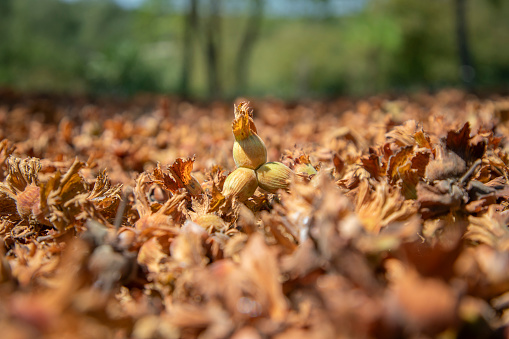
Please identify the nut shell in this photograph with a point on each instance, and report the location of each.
(28, 200)
(240, 184)
(249, 152)
(28, 204)
(273, 176)
(305, 169)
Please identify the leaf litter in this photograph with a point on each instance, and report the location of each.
(113, 222)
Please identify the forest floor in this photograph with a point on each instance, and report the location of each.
(395, 225)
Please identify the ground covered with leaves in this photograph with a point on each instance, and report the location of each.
(113, 223)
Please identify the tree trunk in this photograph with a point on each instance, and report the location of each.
(190, 30)
(467, 70)
(246, 46)
(212, 44)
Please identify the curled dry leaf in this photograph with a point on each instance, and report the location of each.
(6, 149)
(180, 177)
(155, 217)
(409, 133)
(446, 164)
(406, 168)
(379, 207)
(440, 198)
(57, 196)
(21, 191)
(467, 147)
(490, 228)
(99, 203)
(242, 110)
(283, 232)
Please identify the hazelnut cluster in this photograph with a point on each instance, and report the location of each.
(250, 156)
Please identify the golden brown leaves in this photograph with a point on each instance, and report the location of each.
(377, 209)
(426, 304)
(491, 229)
(21, 191)
(396, 226)
(6, 149)
(406, 168)
(248, 290)
(259, 263)
(243, 125)
(57, 194)
(21, 173)
(104, 195)
(179, 177)
(467, 147)
(440, 198)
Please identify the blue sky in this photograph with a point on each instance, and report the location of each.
(129, 3)
(278, 7)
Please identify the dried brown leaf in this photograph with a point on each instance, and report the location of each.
(282, 231)
(57, 197)
(408, 166)
(426, 304)
(243, 125)
(165, 180)
(445, 165)
(180, 177)
(259, 263)
(490, 228)
(403, 135)
(440, 198)
(377, 209)
(21, 173)
(6, 149)
(374, 166)
(467, 147)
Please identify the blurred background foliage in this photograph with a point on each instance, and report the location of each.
(225, 48)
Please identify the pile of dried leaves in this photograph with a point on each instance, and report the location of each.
(113, 224)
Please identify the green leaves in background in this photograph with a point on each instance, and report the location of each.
(98, 47)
